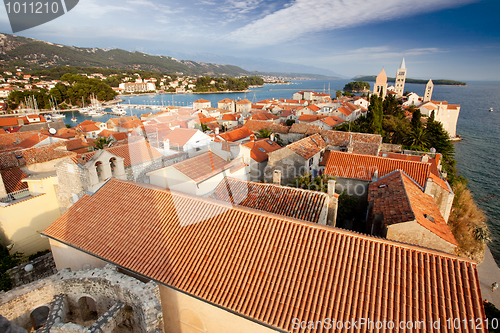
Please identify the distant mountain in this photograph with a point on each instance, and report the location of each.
(437, 82)
(263, 65)
(35, 54)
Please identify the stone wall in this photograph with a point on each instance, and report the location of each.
(72, 183)
(104, 287)
(43, 267)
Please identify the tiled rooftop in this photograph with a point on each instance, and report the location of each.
(349, 165)
(260, 149)
(204, 166)
(400, 199)
(281, 200)
(256, 125)
(34, 155)
(12, 179)
(264, 267)
(308, 146)
(181, 136)
(236, 134)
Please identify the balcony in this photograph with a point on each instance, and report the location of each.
(15, 197)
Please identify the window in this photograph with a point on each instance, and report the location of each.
(98, 169)
(262, 150)
(311, 160)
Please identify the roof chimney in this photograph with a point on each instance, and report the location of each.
(216, 131)
(252, 138)
(375, 176)
(425, 158)
(331, 187)
(277, 177)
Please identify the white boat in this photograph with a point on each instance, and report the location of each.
(491, 109)
(118, 110)
(58, 116)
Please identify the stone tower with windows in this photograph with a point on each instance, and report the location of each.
(428, 91)
(400, 79)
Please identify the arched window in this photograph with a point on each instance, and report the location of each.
(88, 309)
(112, 165)
(39, 316)
(99, 170)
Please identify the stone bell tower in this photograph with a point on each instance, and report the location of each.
(400, 79)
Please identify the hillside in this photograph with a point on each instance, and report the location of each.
(439, 82)
(35, 55)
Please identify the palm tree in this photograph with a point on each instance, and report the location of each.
(264, 133)
(101, 143)
(418, 138)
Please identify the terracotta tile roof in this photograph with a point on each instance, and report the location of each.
(236, 134)
(34, 155)
(260, 149)
(7, 122)
(67, 133)
(363, 143)
(201, 101)
(243, 101)
(304, 128)
(12, 179)
(291, 101)
(131, 124)
(344, 110)
(32, 141)
(307, 147)
(207, 120)
(281, 200)
(403, 200)
(351, 107)
(181, 136)
(225, 101)
(310, 117)
(89, 128)
(263, 116)
(349, 165)
(268, 268)
(135, 152)
(203, 166)
(78, 145)
(9, 140)
(229, 117)
(332, 121)
(314, 108)
(256, 125)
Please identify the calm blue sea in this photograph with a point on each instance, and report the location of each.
(477, 156)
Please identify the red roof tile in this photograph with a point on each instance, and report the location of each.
(307, 147)
(236, 134)
(332, 121)
(310, 117)
(229, 117)
(203, 166)
(12, 179)
(281, 200)
(349, 165)
(256, 125)
(181, 136)
(403, 200)
(265, 267)
(260, 149)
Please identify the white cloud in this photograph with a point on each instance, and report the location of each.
(303, 17)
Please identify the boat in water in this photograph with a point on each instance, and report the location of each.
(118, 110)
(491, 109)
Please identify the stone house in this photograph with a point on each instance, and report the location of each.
(190, 141)
(400, 210)
(244, 106)
(227, 104)
(296, 158)
(201, 104)
(255, 154)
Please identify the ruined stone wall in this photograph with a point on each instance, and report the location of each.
(104, 286)
(43, 267)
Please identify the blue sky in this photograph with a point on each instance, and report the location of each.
(454, 39)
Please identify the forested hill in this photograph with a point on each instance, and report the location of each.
(439, 82)
(35, 55)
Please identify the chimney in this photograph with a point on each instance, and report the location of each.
(425, 158)
(375, 176)
(252, 138)
(277, 177)
(331, 187)
(216, 131)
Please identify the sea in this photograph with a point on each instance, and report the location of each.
(477, 155)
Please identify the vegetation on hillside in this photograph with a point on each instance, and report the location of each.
(437, 82)
(81, 87)
(468, 224)
(213, 84)
(357, 86)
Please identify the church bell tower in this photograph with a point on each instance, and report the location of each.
(400, 79)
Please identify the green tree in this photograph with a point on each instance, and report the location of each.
(377, 114)
(418, 139)
(264, 133)
(290, 122)
(338, 94)
(7, 261)
(101, 143)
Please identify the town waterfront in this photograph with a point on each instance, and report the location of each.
(477, 156)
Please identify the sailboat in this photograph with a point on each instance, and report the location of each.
(73, 119)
